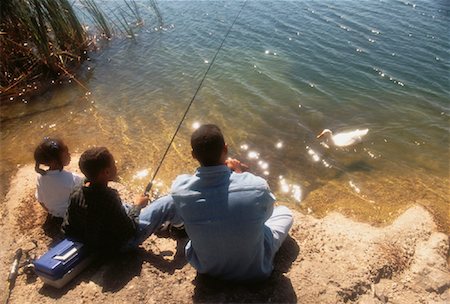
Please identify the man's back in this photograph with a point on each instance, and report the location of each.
(224, 214)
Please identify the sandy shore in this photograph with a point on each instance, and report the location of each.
(328, 260)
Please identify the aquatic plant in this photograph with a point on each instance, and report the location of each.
(38, 37)
(133, 8)
(98, 17)
(157, 12)
(44, 39)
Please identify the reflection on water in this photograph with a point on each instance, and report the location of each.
(288, 70)
(141, 174)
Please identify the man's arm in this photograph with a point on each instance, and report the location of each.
(236, 165)
(140, 202)
(269, 199)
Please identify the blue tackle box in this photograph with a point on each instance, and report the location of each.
(62, 263)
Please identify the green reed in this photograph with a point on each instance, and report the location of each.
(98, 17)
(44, 39)
(134, 9)
(157, 12)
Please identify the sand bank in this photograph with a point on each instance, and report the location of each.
(328, 260)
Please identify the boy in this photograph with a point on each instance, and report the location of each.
(96, 215)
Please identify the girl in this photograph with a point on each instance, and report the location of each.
(55, 184)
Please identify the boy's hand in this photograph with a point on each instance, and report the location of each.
(141, 201)
(236, 165)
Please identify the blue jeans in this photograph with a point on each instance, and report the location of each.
(152, 217)
(280, 222)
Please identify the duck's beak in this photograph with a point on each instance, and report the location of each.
(321, 134)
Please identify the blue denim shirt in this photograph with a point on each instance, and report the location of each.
(224, 214)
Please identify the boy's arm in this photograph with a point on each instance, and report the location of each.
(133, 213)
(123, 224)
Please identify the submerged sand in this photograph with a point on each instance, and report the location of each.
(330, 260)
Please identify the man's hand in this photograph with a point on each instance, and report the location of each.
(236, 165)
(141, 201)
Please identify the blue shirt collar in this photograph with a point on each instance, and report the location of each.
(212, 170)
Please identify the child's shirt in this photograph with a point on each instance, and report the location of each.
(54, 188)
(97, 218)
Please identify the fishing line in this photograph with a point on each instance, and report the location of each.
(150, 184)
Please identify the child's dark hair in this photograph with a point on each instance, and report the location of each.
(94, 160)
(50, 149)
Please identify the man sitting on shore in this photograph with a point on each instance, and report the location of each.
(229, 215)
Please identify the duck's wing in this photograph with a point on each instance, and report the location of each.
(349, 138)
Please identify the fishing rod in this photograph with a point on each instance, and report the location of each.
(150, 184)
(13, 274)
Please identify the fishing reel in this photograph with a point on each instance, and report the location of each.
(27, 266)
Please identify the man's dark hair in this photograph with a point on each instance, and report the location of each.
(207, 144)
(93, 161)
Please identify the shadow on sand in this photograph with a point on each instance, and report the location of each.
(277, 289)
(115, 272)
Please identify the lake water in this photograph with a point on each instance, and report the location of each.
(287, 70)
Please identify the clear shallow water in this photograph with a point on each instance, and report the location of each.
(287, 70)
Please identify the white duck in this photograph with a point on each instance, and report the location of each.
(344, 139)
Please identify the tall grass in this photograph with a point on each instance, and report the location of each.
(157, 12)
(44, 39)
(134, 9)
(37, 37)
(98, 17)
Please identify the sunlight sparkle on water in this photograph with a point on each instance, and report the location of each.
(253, 155)
(294, 189)
(354, 187)
(279, 145)
(284, 186)
(313, 154)
(141, 174)
(159, 183)
(268, 52)
(371, 154)
(297, 193)
(244, 147)
(263, 165)
(195, 125)
(326, 164)
(324, 145)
